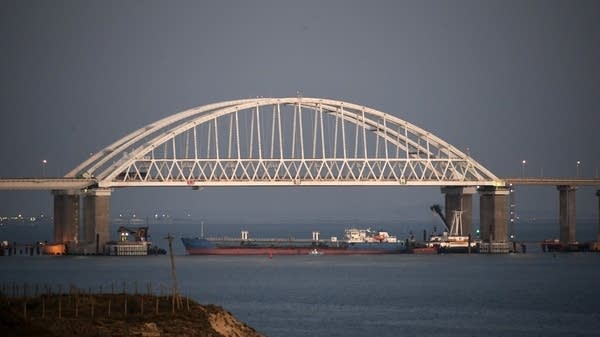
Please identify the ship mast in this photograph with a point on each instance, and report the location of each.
(456, 228)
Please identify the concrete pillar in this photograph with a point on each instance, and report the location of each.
(566, 213)
(96, 218)
(66, 216)
(598, 233)
(460, 198)
(493, 213)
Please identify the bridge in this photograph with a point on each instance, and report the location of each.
(535, 181)
(45, 183)
(281, 142)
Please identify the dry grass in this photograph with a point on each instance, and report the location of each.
(115, 315)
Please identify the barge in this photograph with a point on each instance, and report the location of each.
(554, 245)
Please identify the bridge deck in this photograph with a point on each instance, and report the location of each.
(78, 184)
(45, 183)
(553, 181)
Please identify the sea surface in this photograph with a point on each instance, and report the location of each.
(531, 294)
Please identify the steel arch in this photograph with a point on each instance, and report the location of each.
(282, 141)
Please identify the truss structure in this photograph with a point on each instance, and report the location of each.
(282, 141)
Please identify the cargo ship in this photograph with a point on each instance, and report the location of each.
(355, 241)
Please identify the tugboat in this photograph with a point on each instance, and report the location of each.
(315, 251)
(452, 239)
(133, 241)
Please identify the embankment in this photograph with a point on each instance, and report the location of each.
(116, 315)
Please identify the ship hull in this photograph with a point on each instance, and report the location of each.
(454, 244)
(196, 246)
(458, 250)
(425, 250)
(285, 251)
(554, 246)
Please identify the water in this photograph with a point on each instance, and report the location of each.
(529, 294)
(390, 295)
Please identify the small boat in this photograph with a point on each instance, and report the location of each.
(315, 251)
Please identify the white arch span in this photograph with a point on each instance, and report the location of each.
(282, 141)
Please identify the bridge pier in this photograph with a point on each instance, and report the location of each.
(493, 213)
(598, 233)
(566, 213)
(460, 198)
(66, 216)
(96, 218)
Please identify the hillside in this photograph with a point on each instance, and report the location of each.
(116, 315)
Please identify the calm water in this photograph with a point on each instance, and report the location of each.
(531, 294)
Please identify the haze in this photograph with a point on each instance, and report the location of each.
(504, 80)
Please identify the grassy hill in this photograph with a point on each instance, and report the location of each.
(116, 315)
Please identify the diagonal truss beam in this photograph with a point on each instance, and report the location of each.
(282, 141)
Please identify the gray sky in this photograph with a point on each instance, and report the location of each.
(510, 80)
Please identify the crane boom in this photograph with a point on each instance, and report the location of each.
(437, 209)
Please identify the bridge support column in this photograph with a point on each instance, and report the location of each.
(493, 213)
(460, 198)
(96, 218)
(566, 213)
(66, 216)
(598, 233)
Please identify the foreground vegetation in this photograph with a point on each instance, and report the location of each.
(77, 314)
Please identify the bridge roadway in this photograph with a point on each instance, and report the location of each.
(552, 181)
(45, 183)
(83, 183)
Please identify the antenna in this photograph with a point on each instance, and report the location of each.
(175, 296)
(202, 229)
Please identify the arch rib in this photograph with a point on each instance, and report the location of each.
(151, 155)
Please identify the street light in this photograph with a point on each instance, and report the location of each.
(578, 164)
(44, 162)
(523, 167)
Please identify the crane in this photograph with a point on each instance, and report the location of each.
(437, 209)
(456, 227)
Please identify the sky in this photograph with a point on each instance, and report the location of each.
(509, 80)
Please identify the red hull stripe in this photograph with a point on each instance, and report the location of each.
(284, 251)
